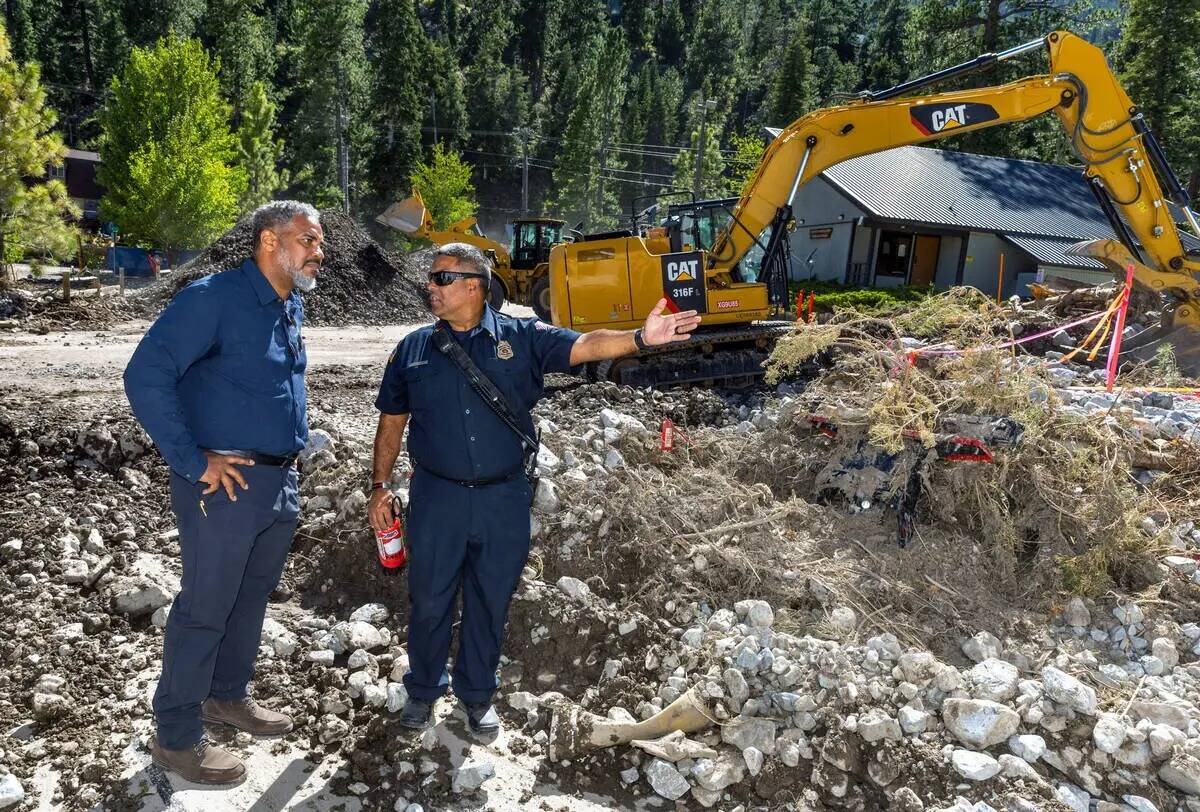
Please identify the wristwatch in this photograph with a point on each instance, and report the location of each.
(381, 486)
(638, 341)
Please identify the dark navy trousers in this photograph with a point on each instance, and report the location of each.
(469, 540)
(233, 555)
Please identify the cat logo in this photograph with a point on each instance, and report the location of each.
(938, 118)
(682, 271)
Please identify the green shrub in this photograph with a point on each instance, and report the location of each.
(831, 297)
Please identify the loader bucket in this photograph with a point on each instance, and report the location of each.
(574, 731)
(408, 216)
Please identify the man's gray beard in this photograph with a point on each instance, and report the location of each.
(303, 283)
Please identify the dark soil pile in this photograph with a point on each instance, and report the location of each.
(360, 283)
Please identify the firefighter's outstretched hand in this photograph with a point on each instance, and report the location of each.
(663, 328)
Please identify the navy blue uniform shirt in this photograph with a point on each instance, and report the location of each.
(452, 432)
(222, 369)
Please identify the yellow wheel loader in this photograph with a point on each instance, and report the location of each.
(521, 266)
(739, 276)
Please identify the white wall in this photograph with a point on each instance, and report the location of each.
(818, 205)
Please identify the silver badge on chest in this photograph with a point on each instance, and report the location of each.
(504, 351)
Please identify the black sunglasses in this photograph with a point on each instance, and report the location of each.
(443, 278)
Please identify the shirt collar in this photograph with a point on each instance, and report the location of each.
(258, 281)
(487, 322)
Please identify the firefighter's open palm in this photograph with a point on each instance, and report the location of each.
(663, 328)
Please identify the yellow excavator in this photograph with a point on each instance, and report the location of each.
(521, 266)
(739, 275)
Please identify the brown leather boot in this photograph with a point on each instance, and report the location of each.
(203, 763)
(246, 714)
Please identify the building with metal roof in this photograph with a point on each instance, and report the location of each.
(916, 215)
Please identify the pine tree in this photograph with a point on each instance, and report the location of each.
(259, 153)
(793, 92)
(670, 36)
(148, 20)
(243, 38)
(885, 61)
(713, 47)
(169, 176)
(446, 111)
(587, 173)
(31, 213)
(833, 56)
(333, 122)
(1162, 77)
(399, 95)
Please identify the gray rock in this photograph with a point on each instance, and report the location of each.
(875, 725)
(471, 776)
(1076, 613)
(545, 499)
(574, 588)
(75, 571)
(135, 597)
(754, 760)
(913, 720)
(1128, 614)
(358, 634)
(629, 776)
(1029, 747)
(322, 657)
(1074, 797)
(982, 646)
(993, 679)
(397, 695)
(974, 766)
(1182, 771)
(665, 780)
(1109, 733)
(1066, 690)
(373, 613)
(1164, 649)
(979, 723)
(11, 791)
(1013, 767)
(1160, 713)
(1139, 804)
(743, 733)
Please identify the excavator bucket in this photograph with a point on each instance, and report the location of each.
(409, 216)
(1179, 327)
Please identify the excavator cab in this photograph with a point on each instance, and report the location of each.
(532, 240)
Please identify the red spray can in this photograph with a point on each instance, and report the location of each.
(393, 553)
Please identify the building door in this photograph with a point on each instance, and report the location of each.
(893, 257)
(925, 257)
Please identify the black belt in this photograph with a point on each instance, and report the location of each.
(265, 459)
(475, 483)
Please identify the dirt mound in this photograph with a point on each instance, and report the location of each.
(360, 283)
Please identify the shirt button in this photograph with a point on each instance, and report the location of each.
(472, 439)
(468, 411)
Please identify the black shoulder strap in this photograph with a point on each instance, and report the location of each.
(483, 385)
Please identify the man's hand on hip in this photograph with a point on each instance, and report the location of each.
(380, 510)
(222, 472)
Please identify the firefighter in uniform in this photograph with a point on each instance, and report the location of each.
(469, 498)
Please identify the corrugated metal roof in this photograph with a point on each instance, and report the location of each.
(975, 192)
(1048, 251)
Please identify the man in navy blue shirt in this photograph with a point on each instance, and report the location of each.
(469, 498)
(218, 384)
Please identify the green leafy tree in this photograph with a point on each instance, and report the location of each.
(1162, 76)
(792, 94)
(444, 183)
(259, 152)
(333, 122)
(170, 175)
(30, 213)
(747, 154)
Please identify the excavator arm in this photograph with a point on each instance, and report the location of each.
(1122, 162)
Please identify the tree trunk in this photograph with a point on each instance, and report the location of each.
(86, 34)
(991, 27)
(5, 271)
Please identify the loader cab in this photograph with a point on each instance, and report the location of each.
(532, 240)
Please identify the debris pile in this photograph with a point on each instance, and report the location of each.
(359, 283)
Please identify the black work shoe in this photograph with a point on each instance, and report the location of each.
(482, 718)
(415, 713)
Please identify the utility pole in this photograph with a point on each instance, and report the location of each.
(703, 107)
(524, 133)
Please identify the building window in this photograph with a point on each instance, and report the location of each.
(57, 172)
